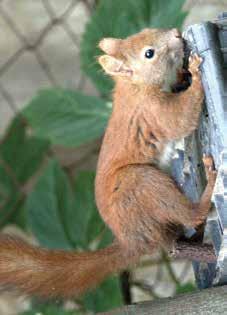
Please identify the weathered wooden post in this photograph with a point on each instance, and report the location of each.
(209, 40)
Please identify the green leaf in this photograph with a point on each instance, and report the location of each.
(106, 238)
(21, 153)
(66, 117)
(47, 206)
(9, 194)
(20, 157)
(106, 297)
(19, 217)
(185, 288)
(60, 218)
(119, 19)
(84, 222)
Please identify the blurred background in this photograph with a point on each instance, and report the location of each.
(54, 106)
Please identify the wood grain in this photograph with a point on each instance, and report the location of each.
(205, 302)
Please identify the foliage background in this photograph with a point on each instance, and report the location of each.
(42, 189)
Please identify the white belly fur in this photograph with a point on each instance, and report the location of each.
(168, 153)
(166, 157)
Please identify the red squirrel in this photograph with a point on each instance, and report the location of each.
(136, 197)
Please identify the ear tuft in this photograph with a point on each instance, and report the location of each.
(114, 66)
(109, 64)
(110, 46)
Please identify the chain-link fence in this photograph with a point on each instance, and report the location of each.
(39, 44)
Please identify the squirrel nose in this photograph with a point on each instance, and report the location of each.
(176, 33)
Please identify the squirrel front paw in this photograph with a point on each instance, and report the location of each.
(194, 62)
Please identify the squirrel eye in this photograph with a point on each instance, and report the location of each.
(149, 53)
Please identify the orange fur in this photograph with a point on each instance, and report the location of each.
(139, 202)
(54, 273)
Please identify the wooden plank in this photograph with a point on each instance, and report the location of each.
(207, 39)
(208, 301)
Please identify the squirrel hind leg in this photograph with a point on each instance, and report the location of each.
(144, 207)
(201, 209)
(197, 213)
(148, 201)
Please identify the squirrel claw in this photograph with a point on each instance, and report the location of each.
(208, 163)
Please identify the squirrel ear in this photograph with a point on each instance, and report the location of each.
(113, 66)
(110, 45)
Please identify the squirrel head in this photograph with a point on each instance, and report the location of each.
(151, 57)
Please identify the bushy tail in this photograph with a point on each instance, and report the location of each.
(56, 273)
